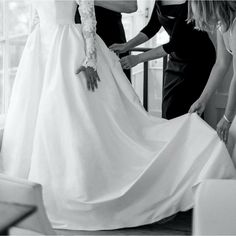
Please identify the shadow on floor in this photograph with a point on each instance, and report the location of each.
(179, 225)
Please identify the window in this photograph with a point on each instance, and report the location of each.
(14, 29)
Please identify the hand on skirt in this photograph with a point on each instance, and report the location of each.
(198, 107)
(118, 48)
(129, 61)
(91, 77)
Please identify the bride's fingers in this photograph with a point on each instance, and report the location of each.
(95, 85)
(95, 79)
(97, 76)
(92, 80)
(88, 83)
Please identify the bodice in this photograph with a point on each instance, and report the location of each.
(55, 11)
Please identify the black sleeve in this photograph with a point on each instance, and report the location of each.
(183, 34)
(153, 25)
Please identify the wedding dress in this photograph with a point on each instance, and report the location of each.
(103, 162)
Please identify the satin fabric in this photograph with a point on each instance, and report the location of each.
(103, 162)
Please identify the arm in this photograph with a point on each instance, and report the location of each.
(231, 104)
(153, 54)
(88, 21)
(224, 124)
(219, 70)
(182, 34)
(133, 60)
(124, 6)
(134, 42)
(153, 25)
(151, 29)
(145, 34)
(217, 74)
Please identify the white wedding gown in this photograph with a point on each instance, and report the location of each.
(103, 162)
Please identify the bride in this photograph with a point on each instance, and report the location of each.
(76, 126)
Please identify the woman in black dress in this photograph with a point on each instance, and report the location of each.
(191, 56)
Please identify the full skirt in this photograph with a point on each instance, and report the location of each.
(103, 162)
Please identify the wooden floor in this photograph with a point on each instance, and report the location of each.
(180, 225)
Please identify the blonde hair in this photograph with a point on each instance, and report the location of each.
(208, 14)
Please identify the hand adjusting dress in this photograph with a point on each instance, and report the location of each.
(103, 162)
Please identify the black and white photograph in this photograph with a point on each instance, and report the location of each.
(117, 117)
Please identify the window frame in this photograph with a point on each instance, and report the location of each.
(6, 40)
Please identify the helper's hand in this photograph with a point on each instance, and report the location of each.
(129, 61)
(198, 107)
(118, 48)
(223, 129)
(91, 77)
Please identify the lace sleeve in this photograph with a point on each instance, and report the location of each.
(88, 21)
(35, 20)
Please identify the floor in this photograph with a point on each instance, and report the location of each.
(181, 224)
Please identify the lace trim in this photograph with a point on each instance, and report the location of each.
(35, 20)
(88, 21)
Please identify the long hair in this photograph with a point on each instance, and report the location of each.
(209, 14)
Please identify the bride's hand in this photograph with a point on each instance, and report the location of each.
(118, 48)
(91, 77)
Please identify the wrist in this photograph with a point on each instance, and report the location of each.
(229, 121)
(203, 99)
(139, 58)
(229, 114)
(126, 47)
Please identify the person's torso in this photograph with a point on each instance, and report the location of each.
(198, 41)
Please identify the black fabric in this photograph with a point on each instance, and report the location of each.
(109, 28)
(191, 58)
(183, 83)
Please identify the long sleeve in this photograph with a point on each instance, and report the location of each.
(88, 21)
(153, 25)
(35, 20)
